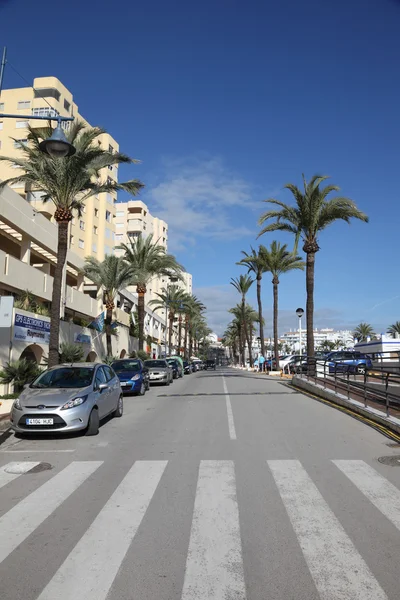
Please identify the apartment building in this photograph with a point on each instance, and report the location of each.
(93, 232)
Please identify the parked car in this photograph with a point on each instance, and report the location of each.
(187, 367)
(159, 371)
(68, 398)
(210, 364)
(177, 369)
(347, 361)
(133, 375)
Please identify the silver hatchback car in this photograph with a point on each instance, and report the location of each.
(68, 398)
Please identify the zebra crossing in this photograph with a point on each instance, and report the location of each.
(215, 559)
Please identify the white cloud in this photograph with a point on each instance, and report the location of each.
(196, 198)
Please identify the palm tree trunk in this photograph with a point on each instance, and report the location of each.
(185, 352)
(108, 331)
(141, 290)
(62, 247)
(241, 346)
(190, 344)
(310, 263)
(260, 316)
(179, 335)
(276, 348)
(246, 336)
(171, 330)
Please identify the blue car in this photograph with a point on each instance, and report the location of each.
(133, 375)
(348, 362)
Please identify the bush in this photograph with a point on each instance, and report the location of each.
(109, 359)
(69, 353)
(19, 372)
(9, 396)
(142, 355)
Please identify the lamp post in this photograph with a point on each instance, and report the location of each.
(300, 313)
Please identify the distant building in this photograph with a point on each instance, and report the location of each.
(291, 338)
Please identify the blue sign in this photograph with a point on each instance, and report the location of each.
(30, 329)
(82, 338)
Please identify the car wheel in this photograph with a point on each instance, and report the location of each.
(167, 382)
(361, 369)
(142, 389)
(94, 422)
(119, 411)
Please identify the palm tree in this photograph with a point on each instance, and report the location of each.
(394, 329)
(363, 331)
(19, 372)
(193, 308)
(255, 263)
(171, 298)
(277, 261)
(68, 183)
(312, 213)
(148, 259)
(112, 275)
(242, 284)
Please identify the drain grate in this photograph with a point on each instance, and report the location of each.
(43, 466)
(390, 461)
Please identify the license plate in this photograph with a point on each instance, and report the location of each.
(124, 384)
(40, 421)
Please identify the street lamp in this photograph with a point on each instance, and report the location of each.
(300, 313)
(57, 145)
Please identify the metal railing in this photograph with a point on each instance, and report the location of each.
(376, 387)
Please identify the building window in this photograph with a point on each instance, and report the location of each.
(45, 111)
(110, 148)
(21, 124)
(73, 221)
(71, 240)
(66, 125)
(0, 144)
(1, 124)
(109, 199)
(110, 167)
(47, 93)
(1, 106)
(17, 143)
(83, 208)
(95, 230)
(96, 212)
(24, 105)
(94, 248)
(108, 216)
(82, 225)
(119, 225)
(110, 181)
(81, 244)
(67, 105)
(120, 213)
(119, 237)
(108, 233)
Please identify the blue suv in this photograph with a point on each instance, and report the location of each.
(346, 361)
(133, 375)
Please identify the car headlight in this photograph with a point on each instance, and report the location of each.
(135, 377)
(17, 404)
(74, 402)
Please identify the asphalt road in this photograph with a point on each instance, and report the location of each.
(224, 486)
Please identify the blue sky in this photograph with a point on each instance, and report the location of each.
(224, 102)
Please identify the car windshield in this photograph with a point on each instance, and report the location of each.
(120, 366)
(172, 361)
(65, 377)
(155, 363)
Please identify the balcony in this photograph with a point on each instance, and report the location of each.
(21, 276)
(135, 225)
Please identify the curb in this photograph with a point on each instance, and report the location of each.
(371, 414)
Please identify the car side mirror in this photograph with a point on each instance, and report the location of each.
(102, 387)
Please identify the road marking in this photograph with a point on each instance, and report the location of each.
(33, 451)
(91, 567)
(21, 467)
(231, 422)
(19, 522)
(383, 494)
(336, 567)
(214, 567)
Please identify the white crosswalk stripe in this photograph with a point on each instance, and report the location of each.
(336, 566)
(383, 494)
(214, 568)
(21, 521)
(90, 569)
(12, 470)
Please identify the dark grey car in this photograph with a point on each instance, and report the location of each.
(68, 398)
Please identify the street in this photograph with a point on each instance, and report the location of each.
(226, 485)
